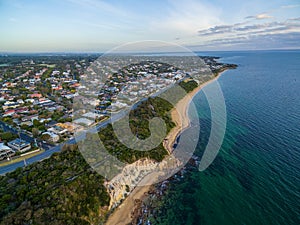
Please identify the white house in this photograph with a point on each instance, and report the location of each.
(5, 151)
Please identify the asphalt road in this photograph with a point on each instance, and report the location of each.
(49, 150)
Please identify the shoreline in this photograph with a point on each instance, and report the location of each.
(180, 116)
(123, 214)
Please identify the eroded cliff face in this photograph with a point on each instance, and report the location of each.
(140, 173)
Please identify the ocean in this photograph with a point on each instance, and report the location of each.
(255, 178)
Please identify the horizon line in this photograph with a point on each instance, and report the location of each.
(141, 52)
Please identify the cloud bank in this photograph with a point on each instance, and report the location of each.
(284, 34)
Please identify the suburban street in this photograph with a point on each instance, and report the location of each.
(49, 150)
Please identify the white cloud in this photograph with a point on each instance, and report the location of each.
(261, 16)
(186, 17)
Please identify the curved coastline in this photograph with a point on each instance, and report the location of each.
(180, 116)
(123, 214)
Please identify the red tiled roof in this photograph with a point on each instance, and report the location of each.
(36, 95)
(9, 112)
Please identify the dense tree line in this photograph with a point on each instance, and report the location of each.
(139, 124)
(60, 190)
(189, 85)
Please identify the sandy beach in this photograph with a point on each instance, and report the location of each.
(123, 214)
(180, 116)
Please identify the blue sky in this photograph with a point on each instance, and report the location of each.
(99, 25)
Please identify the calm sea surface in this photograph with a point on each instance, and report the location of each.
(255, 178)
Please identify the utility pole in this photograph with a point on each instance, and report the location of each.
(35, 143)
(19, 133)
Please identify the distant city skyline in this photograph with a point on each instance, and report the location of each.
(98, 25)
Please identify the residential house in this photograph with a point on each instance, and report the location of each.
(19, 145)
(5, 151)
(53, 137)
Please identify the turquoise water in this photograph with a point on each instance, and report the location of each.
(255, 178)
